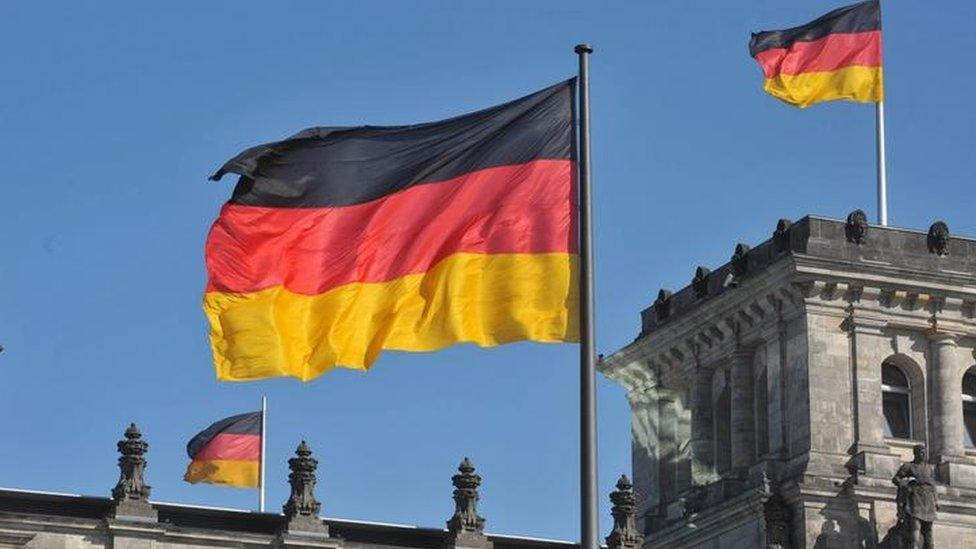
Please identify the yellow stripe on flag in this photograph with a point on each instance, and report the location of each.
(861, 84)
(485, 299)
(243, 474)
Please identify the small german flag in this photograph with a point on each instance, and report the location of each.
(228, 452)
(340, 242)
(835, 57)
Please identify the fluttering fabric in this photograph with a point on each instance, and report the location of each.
(340, 242)
(228, 452)
(836, 57)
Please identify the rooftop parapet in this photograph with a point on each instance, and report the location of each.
(851, 244)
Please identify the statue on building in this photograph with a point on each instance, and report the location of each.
(916, 499)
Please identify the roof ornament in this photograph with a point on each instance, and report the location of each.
(302, 509)
(131, 493)
(624, 534)
(781, 236)
(700, 282)
(662, 307)
(856, 227)
(938, 238)
(466, 528)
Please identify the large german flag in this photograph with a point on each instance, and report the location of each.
(340, 242)
(835, 57)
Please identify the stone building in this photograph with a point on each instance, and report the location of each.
(774, 397)
(130, 520)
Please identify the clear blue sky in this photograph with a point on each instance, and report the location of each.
(112, 114)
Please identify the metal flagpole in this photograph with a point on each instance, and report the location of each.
(264, 436)
(882, 170)
(590, 524)
(879, 114)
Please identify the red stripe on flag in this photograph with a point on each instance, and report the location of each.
(833, 52)
(526, 208)
(231, 447)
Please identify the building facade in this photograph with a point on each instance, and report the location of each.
(130, 520)
(774, 398)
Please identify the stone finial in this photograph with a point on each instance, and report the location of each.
(466, 528)
(781, 236)
(302, 509)
(740, 259)
(131, 493)
(938, 238)
(700, 282)
(662, 307)
(624, 534)
(856, 227)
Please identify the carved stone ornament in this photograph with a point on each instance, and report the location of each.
(700, 282)
(856, 227)
(781, 236)
(938, 238)
(131, 493)
(624, 534)
(302, 509)
(662, 307)
(740, 259)
(466, 527)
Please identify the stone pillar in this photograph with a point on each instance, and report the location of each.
(667, 438)
(947, 423)
(303, 526)
(131, 494)
(870, 454)
(645, 451)
(624, 534)
(952, 467)
(742, 393)
(466, 528)
(702, 428)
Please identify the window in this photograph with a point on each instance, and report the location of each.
(896, 401)
(969, 407)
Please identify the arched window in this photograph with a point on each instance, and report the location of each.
(969, 406)
(897, 402)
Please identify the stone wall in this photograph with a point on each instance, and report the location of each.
(797, 330)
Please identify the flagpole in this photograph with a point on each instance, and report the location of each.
(589, 520)
(879, 125)
(264, 433)
(882, 170)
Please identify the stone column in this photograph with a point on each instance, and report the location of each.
(624, 534)
(947, 422)
(742, 393)
(871, 461)
(868, 416)
(645, 450)
(466, 528)
(667, 438)
(702, 428)
(130, 497)
(302, 525)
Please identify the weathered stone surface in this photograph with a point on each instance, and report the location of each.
(797, 342)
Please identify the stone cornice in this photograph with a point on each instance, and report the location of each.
(669, 355)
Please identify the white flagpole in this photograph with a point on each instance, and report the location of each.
(264, 433)
(882, 170)
(879, 116)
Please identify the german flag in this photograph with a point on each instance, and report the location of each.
(341, 242)
(835, 57)
(228, 452)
